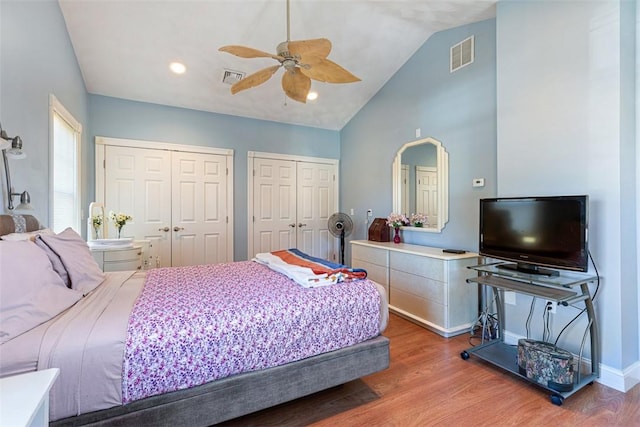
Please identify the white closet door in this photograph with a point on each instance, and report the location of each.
(315, 204)
(199, 209)
(292, 202)
(274, 205)
(138, 183)
(427, 193)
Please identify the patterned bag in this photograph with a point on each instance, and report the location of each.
(546, 364)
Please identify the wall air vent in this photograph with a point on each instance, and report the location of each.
(230, 77)
(462, 54)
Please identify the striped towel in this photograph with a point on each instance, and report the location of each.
(308, 271)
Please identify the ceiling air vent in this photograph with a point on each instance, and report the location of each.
(230, 77)
(461, 54)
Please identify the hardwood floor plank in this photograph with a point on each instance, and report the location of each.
(428, 384)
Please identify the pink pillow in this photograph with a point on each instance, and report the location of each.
(84, 273)
(31, 293)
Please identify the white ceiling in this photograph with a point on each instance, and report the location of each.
(124, 48)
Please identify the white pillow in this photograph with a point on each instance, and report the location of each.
(84, 273)
(31, 293)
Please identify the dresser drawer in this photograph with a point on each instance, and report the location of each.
(418, 308)
(122, 265)
(418, 265)
(131, 254)
(371, 255)
(419, 286)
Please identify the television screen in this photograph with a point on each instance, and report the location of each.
(536, 231)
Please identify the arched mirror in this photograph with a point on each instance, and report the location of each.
(421, 183)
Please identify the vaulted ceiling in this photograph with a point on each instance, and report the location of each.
(124, 49)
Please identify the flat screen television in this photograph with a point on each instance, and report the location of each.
(536, 232)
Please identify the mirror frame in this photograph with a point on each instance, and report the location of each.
(443, 183)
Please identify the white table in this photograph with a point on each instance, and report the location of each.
(24, 399)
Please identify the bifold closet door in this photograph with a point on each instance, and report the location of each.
(292, 203)
(314, 198)
(199, 214)
(178, 201)
(274, 205)
(138, 183)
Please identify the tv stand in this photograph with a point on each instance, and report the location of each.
(565, 288)
(529, 269)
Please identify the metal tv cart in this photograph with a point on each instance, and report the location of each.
(565, 288)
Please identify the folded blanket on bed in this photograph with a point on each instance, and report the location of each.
(306, 270)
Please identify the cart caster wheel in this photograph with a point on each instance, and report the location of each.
(464, 355)
(557, 399)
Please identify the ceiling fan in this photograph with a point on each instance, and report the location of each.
(302, 60)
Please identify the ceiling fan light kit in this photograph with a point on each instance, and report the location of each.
(302, 60)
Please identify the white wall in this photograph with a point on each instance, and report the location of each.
(564, 128)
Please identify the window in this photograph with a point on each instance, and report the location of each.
(64, 166)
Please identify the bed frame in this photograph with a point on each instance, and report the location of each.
(240, 394)
(245, 393)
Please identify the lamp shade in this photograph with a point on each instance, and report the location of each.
(15, 152)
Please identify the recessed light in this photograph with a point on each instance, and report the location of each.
(177, 67)
(312, 96)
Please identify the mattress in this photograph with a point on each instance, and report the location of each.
(88, 343)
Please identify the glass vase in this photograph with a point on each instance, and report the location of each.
(396, 237)
(119, 230)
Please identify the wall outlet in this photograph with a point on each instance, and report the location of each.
(551, 306)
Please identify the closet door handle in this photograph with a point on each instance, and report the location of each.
(166, 229)
(301, 224)
(176, 228)
(292, 225)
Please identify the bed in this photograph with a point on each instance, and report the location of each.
(108, 335)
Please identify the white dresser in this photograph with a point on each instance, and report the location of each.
(424, 284)
(118, 259)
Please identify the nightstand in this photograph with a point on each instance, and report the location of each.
(24, 399)
(118, 259)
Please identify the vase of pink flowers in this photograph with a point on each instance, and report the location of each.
(396, 221)
(418, 220)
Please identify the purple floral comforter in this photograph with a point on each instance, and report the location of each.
(192, 325)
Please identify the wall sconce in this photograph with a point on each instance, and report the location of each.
(12, 148)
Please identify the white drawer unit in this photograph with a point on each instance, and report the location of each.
(118, 259)
(375, 261)
(424, 284)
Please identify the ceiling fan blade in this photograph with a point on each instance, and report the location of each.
(254, 79)
(248, 52)
(296, 85)
(325, 70)
(317, 47)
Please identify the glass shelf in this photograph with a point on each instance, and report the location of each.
(565, 279)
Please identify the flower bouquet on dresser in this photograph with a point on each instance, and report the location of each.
(119, 220)
(396, 221)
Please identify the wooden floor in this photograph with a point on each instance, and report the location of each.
(428, 384)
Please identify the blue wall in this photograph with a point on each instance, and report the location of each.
(37, 59)
(570, 130)
(117, 118)
(458, 109)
